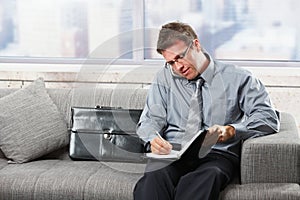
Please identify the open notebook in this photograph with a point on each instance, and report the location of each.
(191, 147)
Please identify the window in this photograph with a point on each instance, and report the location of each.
(64, 28)
(127, 29)
(235, 29)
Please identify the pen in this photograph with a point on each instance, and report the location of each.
(162, 139)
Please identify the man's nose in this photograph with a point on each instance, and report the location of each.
(178, 66)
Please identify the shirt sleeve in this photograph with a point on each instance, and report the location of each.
(260, 118)
(153, 117)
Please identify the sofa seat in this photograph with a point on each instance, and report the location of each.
(93, 180)
(260, 191)
(66, 179)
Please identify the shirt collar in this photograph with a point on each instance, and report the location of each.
(209, 72)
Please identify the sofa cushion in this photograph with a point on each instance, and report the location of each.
(62, 180)
(274, 191)
(31, 125)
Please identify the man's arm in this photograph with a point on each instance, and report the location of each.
(153, 119)
(260, 116)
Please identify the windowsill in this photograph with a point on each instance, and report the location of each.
(271, 76)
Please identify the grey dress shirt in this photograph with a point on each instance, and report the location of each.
(231, 96)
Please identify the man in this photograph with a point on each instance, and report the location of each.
(235, 106)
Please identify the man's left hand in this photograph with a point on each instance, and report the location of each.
(224, 132)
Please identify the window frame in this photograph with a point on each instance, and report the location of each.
(138, 56)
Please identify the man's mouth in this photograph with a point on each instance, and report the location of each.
(185, 72)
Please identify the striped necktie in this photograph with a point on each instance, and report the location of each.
(194, 121)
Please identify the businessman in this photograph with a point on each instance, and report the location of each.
(231, 104)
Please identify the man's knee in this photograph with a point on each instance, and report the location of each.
(211, 173)
(156, 177)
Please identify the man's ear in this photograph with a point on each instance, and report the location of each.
(198, 45)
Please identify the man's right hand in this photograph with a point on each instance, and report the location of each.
(159, 146)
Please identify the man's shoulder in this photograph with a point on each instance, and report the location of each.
(162, 72)
(231, 69)
(165, 76)
(162, 77)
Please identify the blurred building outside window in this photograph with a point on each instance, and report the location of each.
(105, 29)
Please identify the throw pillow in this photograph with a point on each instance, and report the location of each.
(30, 124)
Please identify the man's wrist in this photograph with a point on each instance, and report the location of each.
(230, 130)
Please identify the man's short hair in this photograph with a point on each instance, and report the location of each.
(172, 32)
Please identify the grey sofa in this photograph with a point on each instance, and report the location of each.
(270, 165)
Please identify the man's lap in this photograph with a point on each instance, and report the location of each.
(178, 175)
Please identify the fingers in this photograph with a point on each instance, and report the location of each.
(224, 132)
(217, 130)
(159, 146)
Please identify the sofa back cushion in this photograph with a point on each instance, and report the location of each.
(114, 97)
(3, 93)
(31, 125)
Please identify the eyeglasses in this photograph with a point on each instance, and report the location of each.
(180, 56)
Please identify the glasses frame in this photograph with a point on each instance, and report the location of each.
(180, 56)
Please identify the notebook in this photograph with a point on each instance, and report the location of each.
(192, 147)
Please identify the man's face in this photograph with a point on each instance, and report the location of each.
(184, 59)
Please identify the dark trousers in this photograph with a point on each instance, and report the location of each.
(185, 179)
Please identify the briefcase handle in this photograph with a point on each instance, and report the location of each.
(107, 107)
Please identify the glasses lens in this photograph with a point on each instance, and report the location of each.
(172, 62)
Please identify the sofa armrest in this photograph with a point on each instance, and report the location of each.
(274, 158)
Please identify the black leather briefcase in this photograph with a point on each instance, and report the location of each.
(105, 134)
